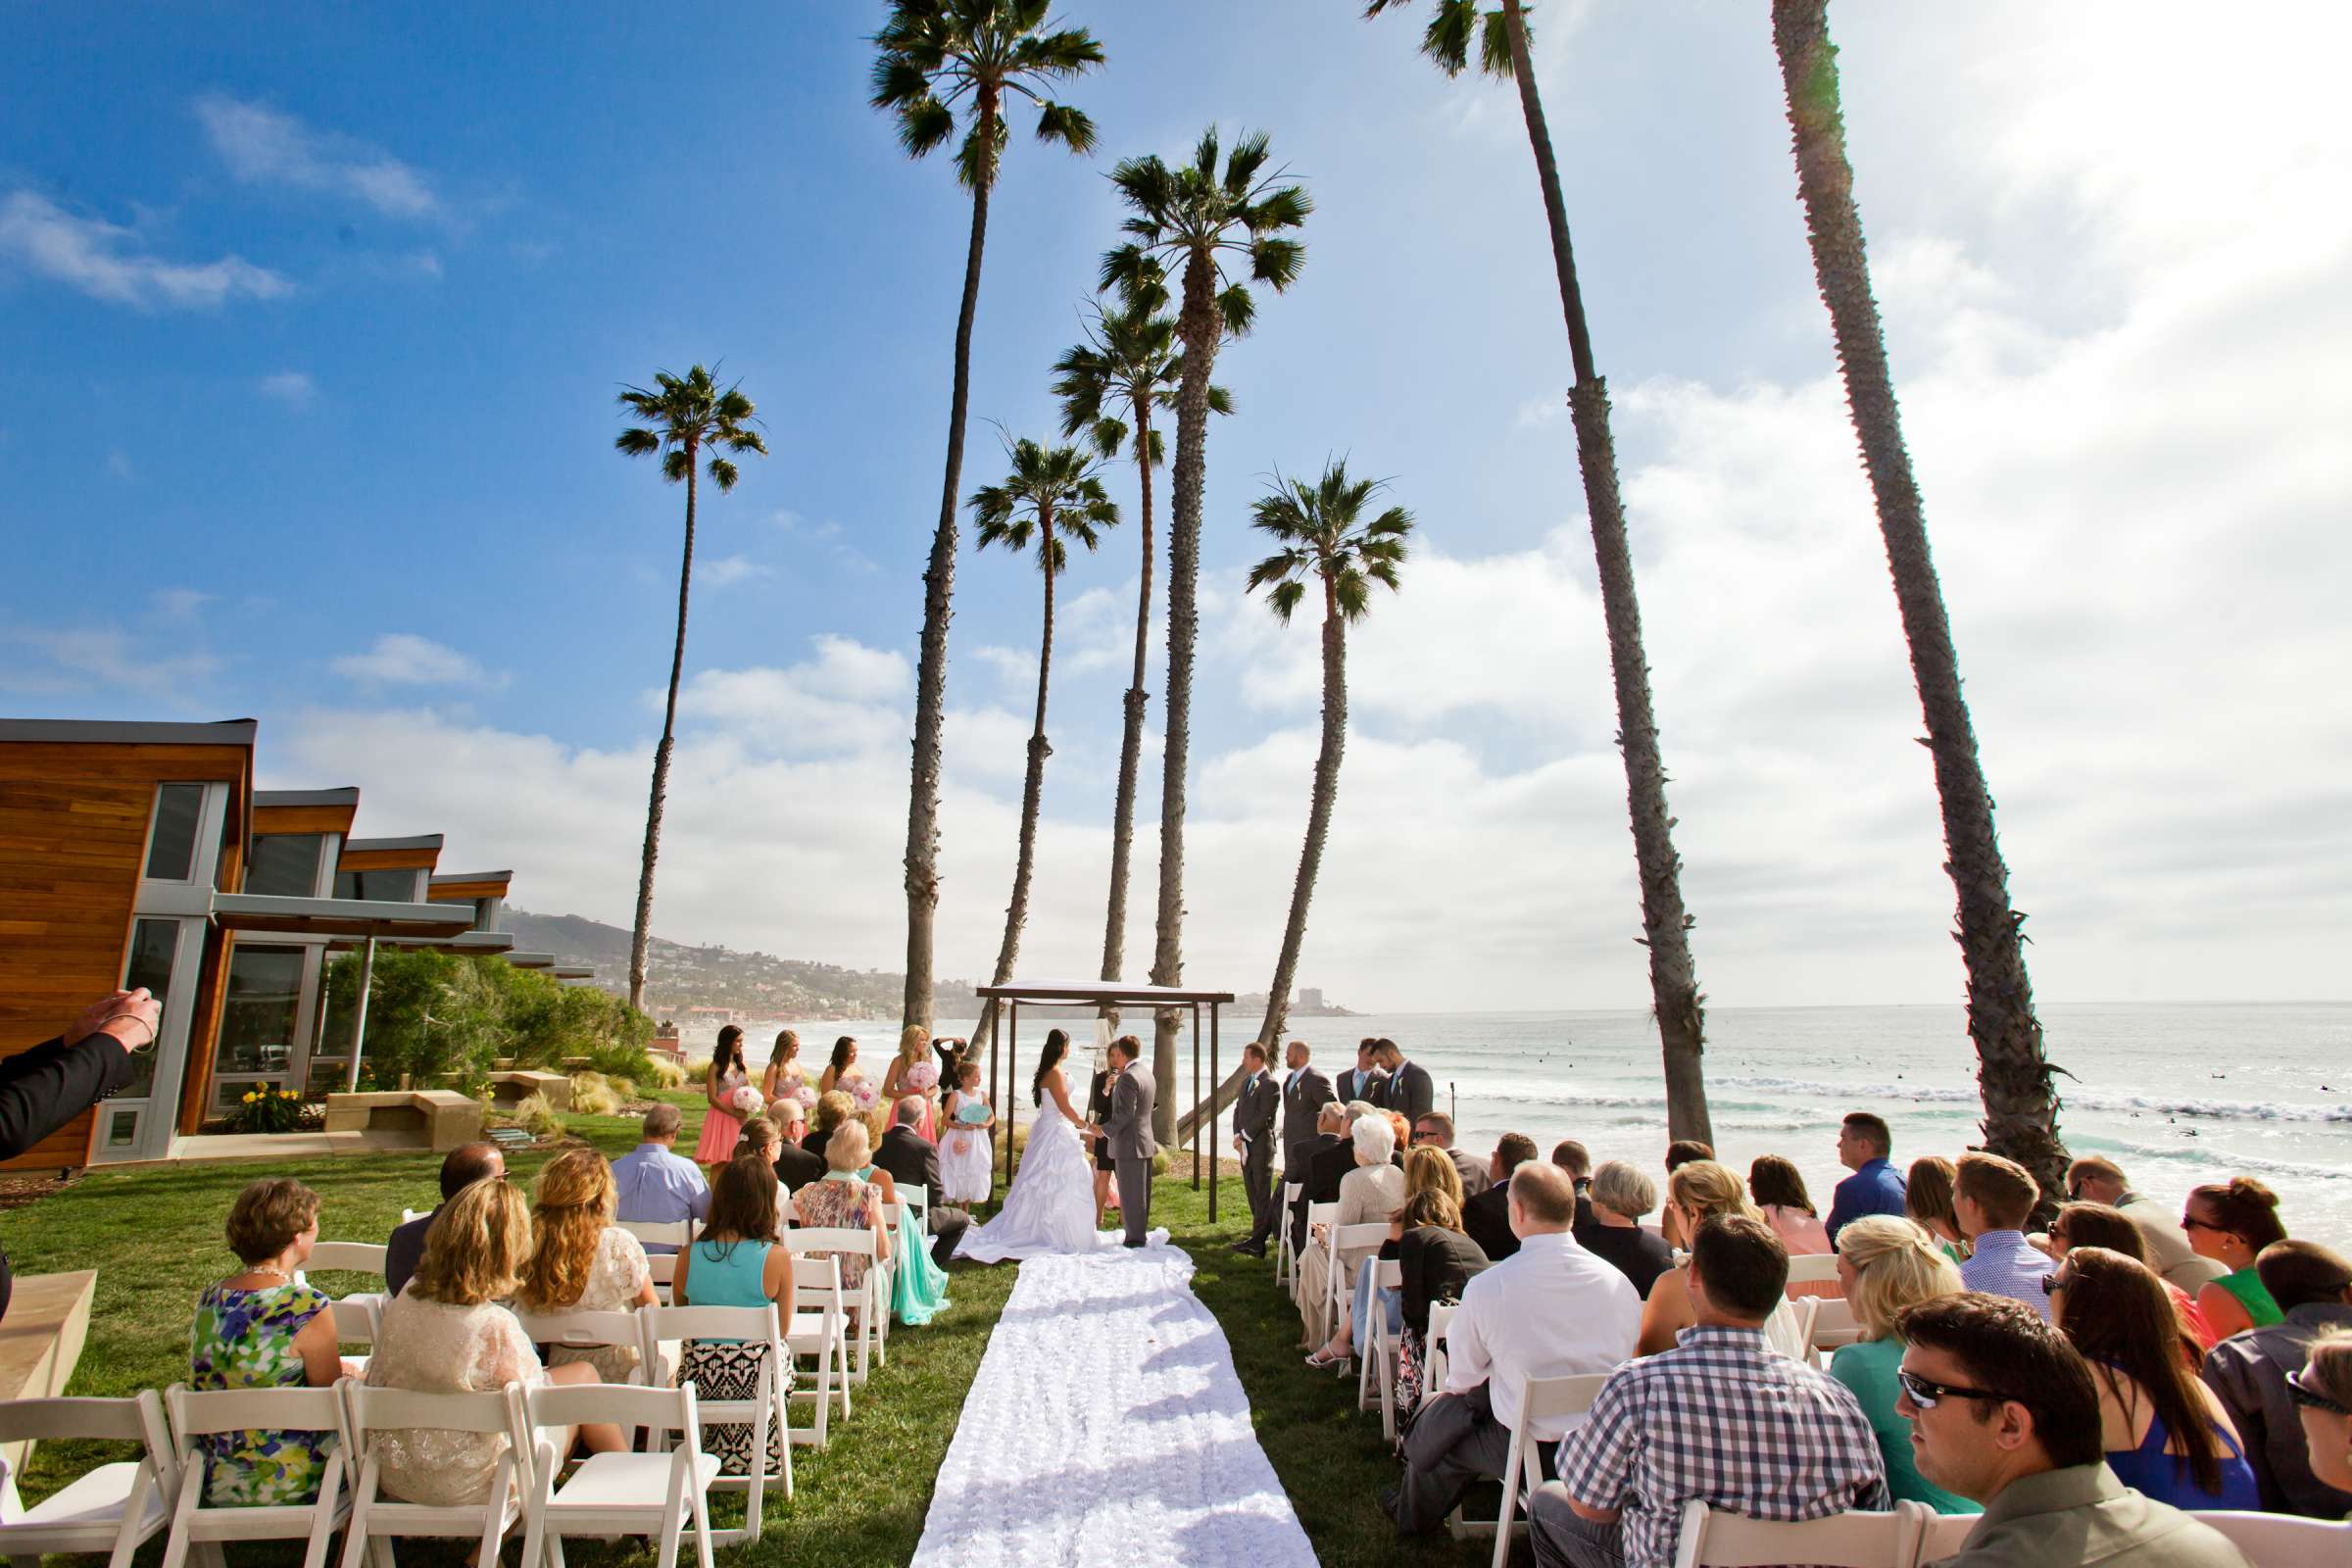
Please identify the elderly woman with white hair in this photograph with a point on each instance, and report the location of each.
(1373, 1191)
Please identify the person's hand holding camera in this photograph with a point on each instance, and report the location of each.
(130, 1017)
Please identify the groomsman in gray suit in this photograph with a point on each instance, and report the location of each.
(1254, 1112)
(1129, 1130)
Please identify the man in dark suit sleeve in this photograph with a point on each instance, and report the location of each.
(1407, 1088)
(1487, 1218)
(1305, 1094)
(797, 1166)
(46, 1087)
(1254, 1112)
(912, 1160)
(1327, 1156)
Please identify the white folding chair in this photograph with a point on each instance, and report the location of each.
(114, 1507)
(594, 1331)
(918, 1199)
(675, 1233)
(1790, 1329)
(752, 1325)
(2284, 1541)
(1834, 1327)
(1813, 1268)
(357, 1258)
(1286, 1259)
(820, 1328)
(870, 1301)
(1434, 1346)
(1380, 1349)
(1326, 1215)
(377, 1520)
(1339, 1293)
(616, 1494)
(357, 1321)
(407, 1214)
(1539, 1400)
(196, 1414)
(1932, 1536)
(1716, 1539)
(664, 1267)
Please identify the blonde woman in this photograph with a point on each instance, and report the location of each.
(448, 1332)
(1696, 1191)
(583, 1263)
(784, 1072)
(914, 1051)
(846, 1198)
(833, 1108)
(1374, 1189)
(1428, 1168)
(1886, 1265)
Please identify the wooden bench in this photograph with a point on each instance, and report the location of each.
(438, 1119)
(40, 1342)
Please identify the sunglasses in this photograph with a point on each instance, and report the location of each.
(1928, 1395)
(2190, 1222)
(2053, 1282)
(2303, 1392)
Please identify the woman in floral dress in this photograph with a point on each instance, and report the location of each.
(259, 1329)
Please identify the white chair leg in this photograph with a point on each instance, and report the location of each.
(183, 1518)
(322, 1522)
(673, 1519)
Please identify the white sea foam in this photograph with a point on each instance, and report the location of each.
(1933, 1095)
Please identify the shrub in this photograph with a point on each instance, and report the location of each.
(592, 1095)
(666, 1072)
(537, 1117)
(264, 1108)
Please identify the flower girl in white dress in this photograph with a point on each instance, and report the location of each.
(966, 1152)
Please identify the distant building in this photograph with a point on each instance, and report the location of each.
(1310, 999)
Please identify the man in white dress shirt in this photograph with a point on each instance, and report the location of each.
(1550, 1309)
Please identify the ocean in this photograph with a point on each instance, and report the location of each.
(2176, 1094)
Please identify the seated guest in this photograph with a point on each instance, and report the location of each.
(2163, 1430)
(845, 1199)
(1487, 1215)
(2248, 1372)
(259, 1328)
(919, 1285)
(1621, 1195)
(1403, 1131)
(1436, 1129)
(1927, 1204)
(1551, 1310)
(796, 1166)
(1875, 1187)
(758, 1138)
(2167, 1250)
(1572, 1158)
(1720, 1417)
(654, 1186)
(1435, 1260)
(1778, 1189)
(1682, 1151)
(460, 1169)
(833, 1108)
(1427, 1169)
(448, 1332)
(581, 1262)
(1331, 1136)
(2098, 1225)
(2231, 1222)
(913, 1161)
(1373, 1191)
(1888, 1264)
(736, 1262)
(1695, 1193)
(1994, 1197)
(2003, 1410)
(2323, 1396)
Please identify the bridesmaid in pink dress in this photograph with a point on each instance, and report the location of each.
(914, 1049)
(722, 1123)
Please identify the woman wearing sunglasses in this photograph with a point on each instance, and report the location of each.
(2098, 1225)
(2323, 1396)
(2164, 1432)
(2231, 1222)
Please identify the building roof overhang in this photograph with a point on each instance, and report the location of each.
(284, 915)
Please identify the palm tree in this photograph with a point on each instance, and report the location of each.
(684, 417)
(2021, 1109)
(936, 60)
(1195, 221)
(1110, 386)
(1324, 536)
(1050, 489)
(1501, 36)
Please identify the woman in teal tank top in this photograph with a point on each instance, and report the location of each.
(1887, 1265)
(2231, 1222)
(737, 1263)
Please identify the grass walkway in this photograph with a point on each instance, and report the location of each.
(154, 1235)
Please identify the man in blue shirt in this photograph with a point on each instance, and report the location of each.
(657, 1186)
(1875, 1187)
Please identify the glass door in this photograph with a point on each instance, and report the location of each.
(260, 1044)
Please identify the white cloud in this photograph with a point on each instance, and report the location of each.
(403, 659)
(180, 604)
(106, 262)
(263, 146)
(83, 660)
(728, 570)
(294, 388)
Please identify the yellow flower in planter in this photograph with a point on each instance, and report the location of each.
(288, 1094)
(250, 1097)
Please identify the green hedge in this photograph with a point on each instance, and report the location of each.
(442, 1018)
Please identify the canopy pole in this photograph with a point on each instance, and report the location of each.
(1002, 1046)
(1213, 1147)
(359, 1027)
(1196, 1095)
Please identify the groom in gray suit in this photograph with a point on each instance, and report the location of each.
(1129, 1129)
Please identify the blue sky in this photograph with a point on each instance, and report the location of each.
(341, 299)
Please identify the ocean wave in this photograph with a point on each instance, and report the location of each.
(2149, 1104)
(2217, 1158)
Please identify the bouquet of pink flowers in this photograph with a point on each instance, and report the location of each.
(805, 1093)
(860, 1093)
(924, 1077)
(745, 1102)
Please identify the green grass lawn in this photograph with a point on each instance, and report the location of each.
(154, 1238)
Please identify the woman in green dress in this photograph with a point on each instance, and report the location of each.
(1887, 1265)
(261, 1328)
(2231, 1222)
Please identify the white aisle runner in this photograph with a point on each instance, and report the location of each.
(1107, 1426)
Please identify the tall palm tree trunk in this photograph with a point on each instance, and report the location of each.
(2021, 1109)
(642, 937)
(1318, 817)
(1199, 325)
(939, 586)
(1016, 913)
(1665, 923)
(1131, 744)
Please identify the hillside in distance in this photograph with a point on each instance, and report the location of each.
(758, 985)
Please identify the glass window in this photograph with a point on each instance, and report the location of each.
(326, 1076)
(122, 1128)
(171, 847)
(229, 1096)
(153, 946)
(382, 887)
(257, 1022)
(284, 863)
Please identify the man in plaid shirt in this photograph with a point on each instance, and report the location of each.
(1719, 1417)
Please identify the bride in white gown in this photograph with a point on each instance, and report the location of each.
(1051, 1206)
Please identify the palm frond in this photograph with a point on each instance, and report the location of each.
(1060, 123)
(723, 473)
(637, 443)
(676, 465)
(1236, 310)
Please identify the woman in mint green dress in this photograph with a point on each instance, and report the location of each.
(1887, 1265)
(259, 1328)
